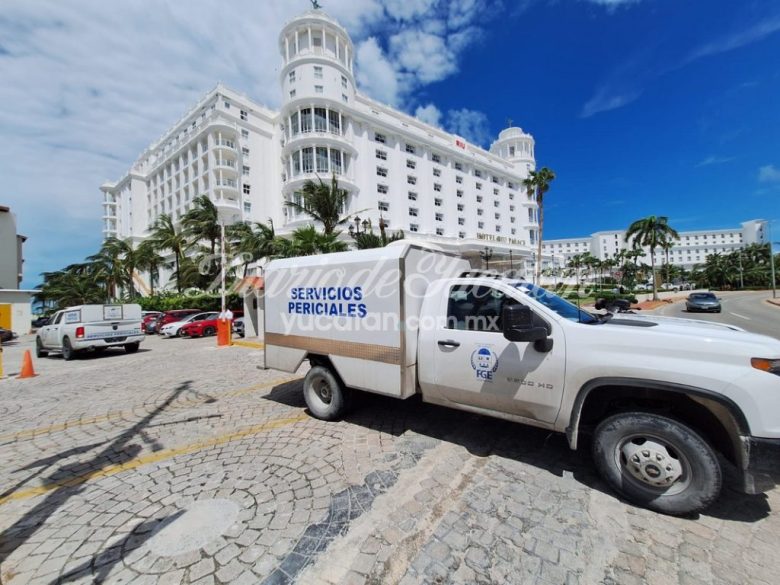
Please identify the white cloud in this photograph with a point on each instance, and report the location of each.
(612, 4)
(714, 160)
(470, 124)
(604, 100)
(87, 85)
(429, 114)
(736, 40)
(769, 174)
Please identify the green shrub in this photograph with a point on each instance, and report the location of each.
(168, 301)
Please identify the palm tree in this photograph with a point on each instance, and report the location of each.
(323, 203)
(252, 243)
(107, 266)
(165, 236)
(201, 222)
(149, 260)
(652, 232)
(307, 241)
(537, 184)
(75, 285)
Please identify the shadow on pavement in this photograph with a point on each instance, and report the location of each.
(483, 436)
(70, 479)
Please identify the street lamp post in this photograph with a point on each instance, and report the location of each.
(486, 255)
(772, 260)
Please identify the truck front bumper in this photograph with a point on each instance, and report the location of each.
(761, 468)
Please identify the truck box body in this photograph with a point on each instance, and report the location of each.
(360, 308)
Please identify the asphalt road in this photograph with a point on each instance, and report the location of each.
(748, 310)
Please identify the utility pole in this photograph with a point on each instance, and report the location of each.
(222, 261)
(772, 260)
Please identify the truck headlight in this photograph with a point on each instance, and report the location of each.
(767, 365)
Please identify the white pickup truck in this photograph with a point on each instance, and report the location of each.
(661, 398)
(91, 327)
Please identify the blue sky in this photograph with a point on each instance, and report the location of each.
(640, 106)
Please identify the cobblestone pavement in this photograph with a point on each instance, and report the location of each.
(184, 463)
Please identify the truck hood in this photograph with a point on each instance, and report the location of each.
(699, 330)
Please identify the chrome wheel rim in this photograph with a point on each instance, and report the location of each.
(654, 464)
(322, 389)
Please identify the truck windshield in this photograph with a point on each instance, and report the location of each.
(552, 301)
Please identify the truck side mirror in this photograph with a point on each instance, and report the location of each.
(517, 324)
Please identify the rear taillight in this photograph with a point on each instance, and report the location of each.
(79, 333)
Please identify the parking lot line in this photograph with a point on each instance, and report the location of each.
(113, 469)
(252, 344)
(78, 422)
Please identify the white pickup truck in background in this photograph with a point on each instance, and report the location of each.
(664, 400)
(91, 327)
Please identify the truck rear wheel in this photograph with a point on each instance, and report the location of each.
(324, 394)
(132, 347)
(39, 351)
(68, 353)
(657, 462)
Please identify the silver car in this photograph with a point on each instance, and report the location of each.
(702, 301)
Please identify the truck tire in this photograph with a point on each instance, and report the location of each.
(68, 353)
(132, 347)
(324, 394)
(39, 351)
(657, 462)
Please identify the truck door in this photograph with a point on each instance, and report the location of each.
(51, 332)
(476, 366)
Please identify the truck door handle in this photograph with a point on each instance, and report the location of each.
(448, 343)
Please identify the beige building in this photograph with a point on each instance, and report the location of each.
(15, 312)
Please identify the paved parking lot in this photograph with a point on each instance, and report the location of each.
(184, 463)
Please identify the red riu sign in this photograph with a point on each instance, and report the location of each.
(460, 143)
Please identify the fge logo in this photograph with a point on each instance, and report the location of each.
(485, 363)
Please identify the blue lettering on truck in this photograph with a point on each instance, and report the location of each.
(330, 301)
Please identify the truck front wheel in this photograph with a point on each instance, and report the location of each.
(324, 394)
(657, 462)
(39, 351)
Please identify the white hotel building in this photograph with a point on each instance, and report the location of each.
(249, 159)
(692, 248)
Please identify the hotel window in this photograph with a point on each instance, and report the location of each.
(437, 172)
(437, 202)
(247, 207)
(496, 203)
(460, 206)
(437, 187)
(511, 151)
(498, 216)
(479, 198)
(413, 227)
(381, 154)
(458, 166)
(479, 212)
(410, 149)
(495, 191)
(343, 82)
(480, 224)
(244, 151)
(317, 72)
(412, 196)
(244, 114)
(380, 138)
(318, 89)
(410, 164)
(479, 186)
(458, 179)
(498, 229)
(383, 206)
(411, 180)
(381, 189)
(334, 122)
(306, 120)
(244, 133)
(511, 208)
(459, 193)
(439, 231)
(307, 158)
(292, 93)
(292, 76)
(494, 179)
(247, 189)
(461, 235)
(510, 185)
(477, 173)
(344, 98)
(335, 161)
(436, 158)
(511, 195)
(512, 220)
(413, 211)
(461, 221)
(244, 170)
(381, 171)
(227, 105)
(514, 231)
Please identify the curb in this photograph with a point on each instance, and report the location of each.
(250, 344)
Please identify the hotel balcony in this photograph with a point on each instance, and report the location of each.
(225, 144)
(226, 165)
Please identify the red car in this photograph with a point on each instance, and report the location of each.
(170, 317)
(205, 327)
(148, 320)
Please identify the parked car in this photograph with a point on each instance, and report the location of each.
(148, 318)
(238, 327)
(702, 301)
(170, 317)
(174, 329)
(205, 327)
(670, 286)
(7, 335)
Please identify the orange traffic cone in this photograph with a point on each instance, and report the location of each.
(27, 366)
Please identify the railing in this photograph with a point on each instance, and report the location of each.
(226, 163)
(225, 183)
